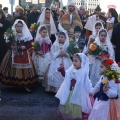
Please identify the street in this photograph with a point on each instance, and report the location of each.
(17, 104)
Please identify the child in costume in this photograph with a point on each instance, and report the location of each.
(118, 83)
(75, 102)
(104, 42)
(106, 106)
(17, 68)
(59, 63)
(97, 26)
(77, 44)
(42, 57)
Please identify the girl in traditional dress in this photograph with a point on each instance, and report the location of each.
(75, 102)
(97, 26)
(60, 62)
(104, 42)
(118, 83)
(17, 68)
(106, 105)
(42, 57)
(47, 19)
(111, 21)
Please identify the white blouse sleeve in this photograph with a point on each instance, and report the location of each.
(88, 84)
(112, 92)
(96, 88)
(110, 20)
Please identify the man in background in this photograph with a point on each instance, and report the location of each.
(70, 20)
(7, 15)
(33, 16)
(83, 19)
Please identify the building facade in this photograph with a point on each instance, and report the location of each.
(88, 4)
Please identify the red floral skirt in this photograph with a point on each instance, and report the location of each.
(18, 71)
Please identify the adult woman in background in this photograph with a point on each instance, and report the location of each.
(47, 19)
(19, 14)
(4, 25)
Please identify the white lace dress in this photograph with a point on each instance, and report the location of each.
(55, 78)
(41, 61)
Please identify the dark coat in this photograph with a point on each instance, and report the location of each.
(20, 17)
(9, 18)
(116, 41)
(32, 18)
(6, 24)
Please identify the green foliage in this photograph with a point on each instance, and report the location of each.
(72, 48)
(36, 46)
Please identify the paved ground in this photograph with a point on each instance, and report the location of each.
(17, 104)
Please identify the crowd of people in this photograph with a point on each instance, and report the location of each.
(71, 53)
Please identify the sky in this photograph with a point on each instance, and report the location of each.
(5, 3)
(105, 3)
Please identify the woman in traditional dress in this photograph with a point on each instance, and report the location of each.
(47, 19)
(17, 68)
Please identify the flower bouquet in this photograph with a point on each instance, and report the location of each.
(110, 73)
(36, 45)
(73, 48)
(94, 49)
(9, 36)
(34, 26)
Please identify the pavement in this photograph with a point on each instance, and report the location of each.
(17, 104)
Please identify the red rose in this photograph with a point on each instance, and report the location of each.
(119, 64)
(109, 62)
